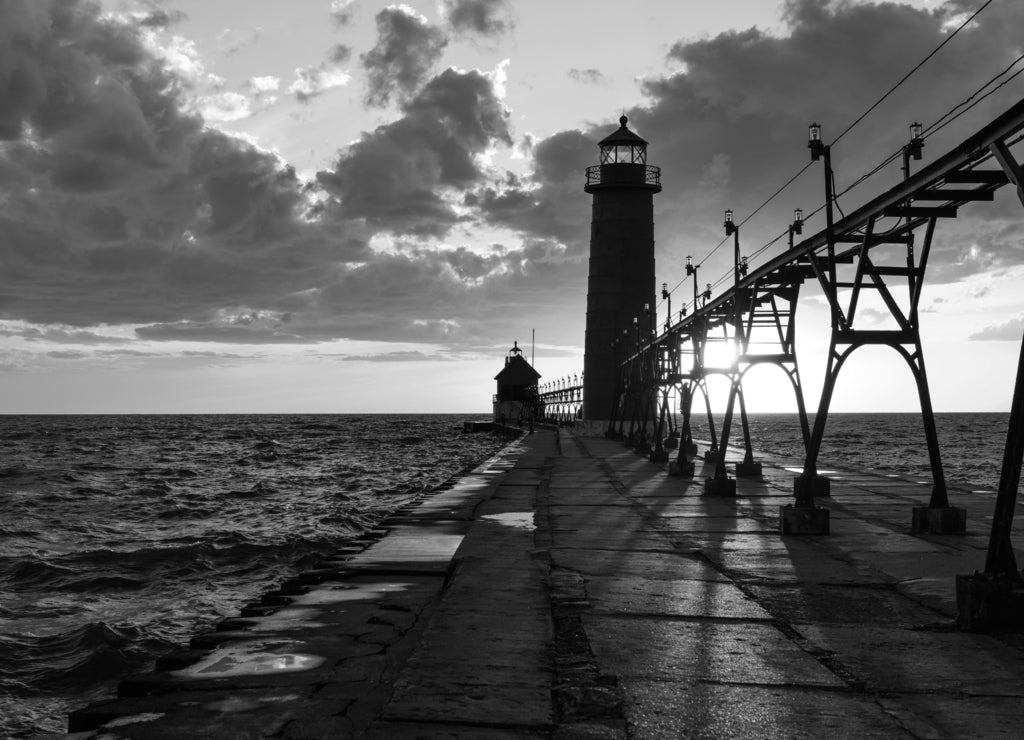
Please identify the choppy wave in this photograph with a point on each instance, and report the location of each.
(124, 535)
(971, 444)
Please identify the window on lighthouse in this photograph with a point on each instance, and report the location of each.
(623, 154)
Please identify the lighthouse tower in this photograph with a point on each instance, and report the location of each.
(620, 285)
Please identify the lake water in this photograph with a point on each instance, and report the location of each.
(122, 536)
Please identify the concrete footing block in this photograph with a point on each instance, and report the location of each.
(719, 486)
(690, 448)
(748, 470)
(986, 603)
(671, 442)
(685, 469)
(803, 520)
(659, 455)
(820, 486)
(711, 455)
(952, 520)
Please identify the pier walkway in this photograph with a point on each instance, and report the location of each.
(571, 590)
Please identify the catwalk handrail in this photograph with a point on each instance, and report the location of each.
(971, 151)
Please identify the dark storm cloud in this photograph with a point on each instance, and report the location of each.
(53, 86)
(407, 48)
(116, 206)
(733, 125)
(483, 17)
(730, 126)
(396, 176)
(551, 204)
(454, 297)
(58, 335)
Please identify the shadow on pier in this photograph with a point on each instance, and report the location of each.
(570, 589)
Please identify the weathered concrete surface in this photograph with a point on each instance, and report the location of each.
(366, 638)
(572, 590)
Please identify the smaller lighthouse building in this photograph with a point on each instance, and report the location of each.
(516, 396)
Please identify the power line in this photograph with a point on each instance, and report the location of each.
(933, 129)
(911, 72)
(941, 124)
(945, 119)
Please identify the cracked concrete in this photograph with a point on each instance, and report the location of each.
(572, 590)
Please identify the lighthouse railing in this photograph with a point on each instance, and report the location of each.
(624, 174)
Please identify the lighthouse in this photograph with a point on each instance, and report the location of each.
(621, 282)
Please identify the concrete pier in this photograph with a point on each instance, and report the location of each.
(572, 590)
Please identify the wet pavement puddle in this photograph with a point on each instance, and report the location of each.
(516, 519)
(248, 659)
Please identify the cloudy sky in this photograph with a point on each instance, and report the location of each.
(350, 206)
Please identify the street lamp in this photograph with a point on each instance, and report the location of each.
(916, 142)
(797, 227)
(691, 269)
(798, 220)
(666, 296)
(814, 142)
(820, 150)
(913, 148)
(733, 230)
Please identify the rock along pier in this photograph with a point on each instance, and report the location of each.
(569, 589)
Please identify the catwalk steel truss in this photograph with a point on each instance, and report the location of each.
(881, 249)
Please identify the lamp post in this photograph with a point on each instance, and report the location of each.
(913, 148)
(820, 150)
(733, 230)
(665, 295)
(803, 516)
(691, 270)
(797, 227)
